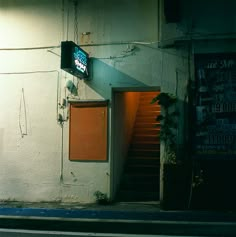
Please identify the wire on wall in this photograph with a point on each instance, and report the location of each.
(63, 18)
(67, 21)
(148, 44)
(35, 72)
(62, 153)
(27, 72)
(30, 48)
(22, 104)
(23, 107)
(76, 32)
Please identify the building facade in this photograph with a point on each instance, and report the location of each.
(134, 46)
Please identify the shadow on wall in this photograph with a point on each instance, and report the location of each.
(104, 77)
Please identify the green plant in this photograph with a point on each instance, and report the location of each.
(101, 198)
(168, 124)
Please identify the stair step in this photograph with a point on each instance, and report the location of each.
(143, 161)
(151, 112)
(146, 119)
(145, 138)
(147, 130)
(143, 145)
(150, 123)
(144, 152)
(135, 179)
(138, 196)
(152, 92)
(146, 187)
(144, 169)
(147, 113)
(147, 126)
(147, 122)
(147, 133)
(147, 101)
(147, 107)
(152, 164)
(141, 177)
(148, 96)
(139, 181)
(149, 93)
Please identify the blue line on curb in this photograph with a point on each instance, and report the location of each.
(124, 215)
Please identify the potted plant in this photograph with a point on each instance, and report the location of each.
(101, 198)
(175, 172)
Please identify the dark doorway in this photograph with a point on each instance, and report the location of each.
(136, 146)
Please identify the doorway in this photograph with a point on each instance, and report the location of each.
(136, 146)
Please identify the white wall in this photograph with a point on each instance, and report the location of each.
(33, 164)
(123, 45)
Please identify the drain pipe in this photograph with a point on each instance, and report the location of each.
(62, 151)
(159, 21)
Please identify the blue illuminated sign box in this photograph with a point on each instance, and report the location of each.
(74, 60)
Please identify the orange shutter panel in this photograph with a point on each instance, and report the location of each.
(88, 131)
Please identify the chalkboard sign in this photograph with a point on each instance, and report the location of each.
(215, 106)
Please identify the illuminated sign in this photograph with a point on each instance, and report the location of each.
(74, 60)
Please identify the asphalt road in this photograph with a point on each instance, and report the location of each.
(30, 233)
(38, 222)
(108, 228)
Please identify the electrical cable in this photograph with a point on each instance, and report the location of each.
(68, 22)
(81, 45)
(35, 72)
(190, 37)
(25, 115)
(58, 95)
(27, 72)
(144, 44)
(76, 32)
(63, 18)
(30, 48)
(62, 151)
(188, 100)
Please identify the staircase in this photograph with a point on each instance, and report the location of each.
(140, 181)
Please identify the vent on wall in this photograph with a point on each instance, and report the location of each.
(172, 10)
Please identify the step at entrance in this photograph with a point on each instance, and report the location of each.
(140, 181)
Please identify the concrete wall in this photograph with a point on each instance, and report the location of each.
(34, 162)
(127, 54)
(212, 22)
(122, 40)
(204, 27)
(207, 18)
(123, 43)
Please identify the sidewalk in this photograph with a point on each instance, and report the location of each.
(125, 211)
(119, 210)
(130, 218)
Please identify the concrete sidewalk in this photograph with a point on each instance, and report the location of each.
(118, 211)
(124, 211)
(130, 218)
